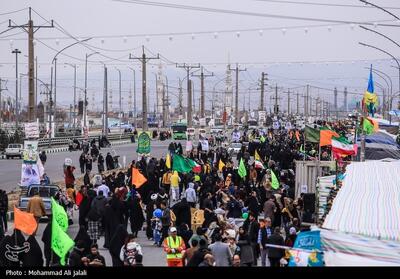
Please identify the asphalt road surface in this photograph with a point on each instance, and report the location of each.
(10, 170)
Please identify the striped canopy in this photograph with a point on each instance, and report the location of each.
(368, 202)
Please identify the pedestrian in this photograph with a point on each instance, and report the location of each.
(100, 163)
(103, 187)
(174, 246)
(3, 210)
(275, 254)
(36, 205)
(130, 250)
(253, 204)
(166, 181)
(175, 180)
(117, 241)
(263, 234)
(136, 217)
(190, 194)
(69, 176)
(270, 208)
(165, 220)
(182, 212)
(86, 177)
(109, 161)
(246, 251)
(94, 259)
(208, 261)
(187, 256)
(95, 216)
(82, 159)
(43, 157)
(76, 255)
(83, 236)
(88, 162)
(221, 252)
(252, 227)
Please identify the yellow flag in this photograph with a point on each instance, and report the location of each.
(256, 156)
(168, 161)
(220, 165)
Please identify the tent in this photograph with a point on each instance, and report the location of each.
(363, 225)
(380, 145)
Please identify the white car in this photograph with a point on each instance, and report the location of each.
(14, 150)
(234, 148)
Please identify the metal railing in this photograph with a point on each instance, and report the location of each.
(64, 141)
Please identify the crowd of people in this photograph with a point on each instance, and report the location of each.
(208, 217)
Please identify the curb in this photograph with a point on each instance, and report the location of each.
(120, 142)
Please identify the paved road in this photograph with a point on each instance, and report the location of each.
(152, 255)
(10, 170)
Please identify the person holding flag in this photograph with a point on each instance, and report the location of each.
(370, 99)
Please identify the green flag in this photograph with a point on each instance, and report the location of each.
(61, 243)
(311, 134)
(368, 127)
(59, 215)
(182, 164)
(242, 169)
(274, 181)
(144, 144)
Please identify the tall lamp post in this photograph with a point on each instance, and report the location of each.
(120, 99)
(54, 61)
(134, 96)
(74, 110)
(16, 51)
(85, 93)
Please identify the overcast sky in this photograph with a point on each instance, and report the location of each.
(291, 56)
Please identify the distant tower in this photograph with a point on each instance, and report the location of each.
(130, 103)
(228, 91)
(345, 100)
(160, 89)
(110, 101)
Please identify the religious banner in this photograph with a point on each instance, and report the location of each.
(30, 174)
(30, 153)
(144, 144)
(235, 136)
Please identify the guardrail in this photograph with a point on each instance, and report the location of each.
(64, 141)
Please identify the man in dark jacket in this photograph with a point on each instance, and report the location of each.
(264, 233)
(253, 204)
(182, 212)
(109, 161)
(100, 163)
(76, 255)
(165, 221)
(275, 254)
(82, 160)
(251, 226)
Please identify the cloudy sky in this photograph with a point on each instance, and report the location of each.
(261, 35)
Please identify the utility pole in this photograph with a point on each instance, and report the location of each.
(105, 103)
(144, 61)
(30, 28)
(16, 51)
(345, 99)
(120, 100)
(1, 103)
(288, 102)
(202, 94)
(297, 102)
(306, 101)
(188, 67)
(36, 88)
(264, 77)
(276, 106)
(180, 100)
(335, 92)
(74, 109)
(237, 70)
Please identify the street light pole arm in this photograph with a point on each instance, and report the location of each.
(384, 51)
(85, 40)
(376, 6)
(380, 34)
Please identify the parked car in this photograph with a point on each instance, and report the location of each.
(14, 150)
(234, 148)
(46, 192)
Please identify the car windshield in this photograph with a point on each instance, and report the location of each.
(179, 129)
(44, 192)
(14, 146)
(236, 145)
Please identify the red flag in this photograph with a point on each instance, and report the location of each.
(138, 179)
(78, 198)
(24, 221)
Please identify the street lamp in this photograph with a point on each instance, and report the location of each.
(120, 100)
(387, 53)
(134, 96)
(85, 93)
(54, 61)
(16, 51)
(74, 66)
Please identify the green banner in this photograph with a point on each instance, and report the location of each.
(144, 142)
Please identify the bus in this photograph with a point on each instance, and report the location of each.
(179, 131)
